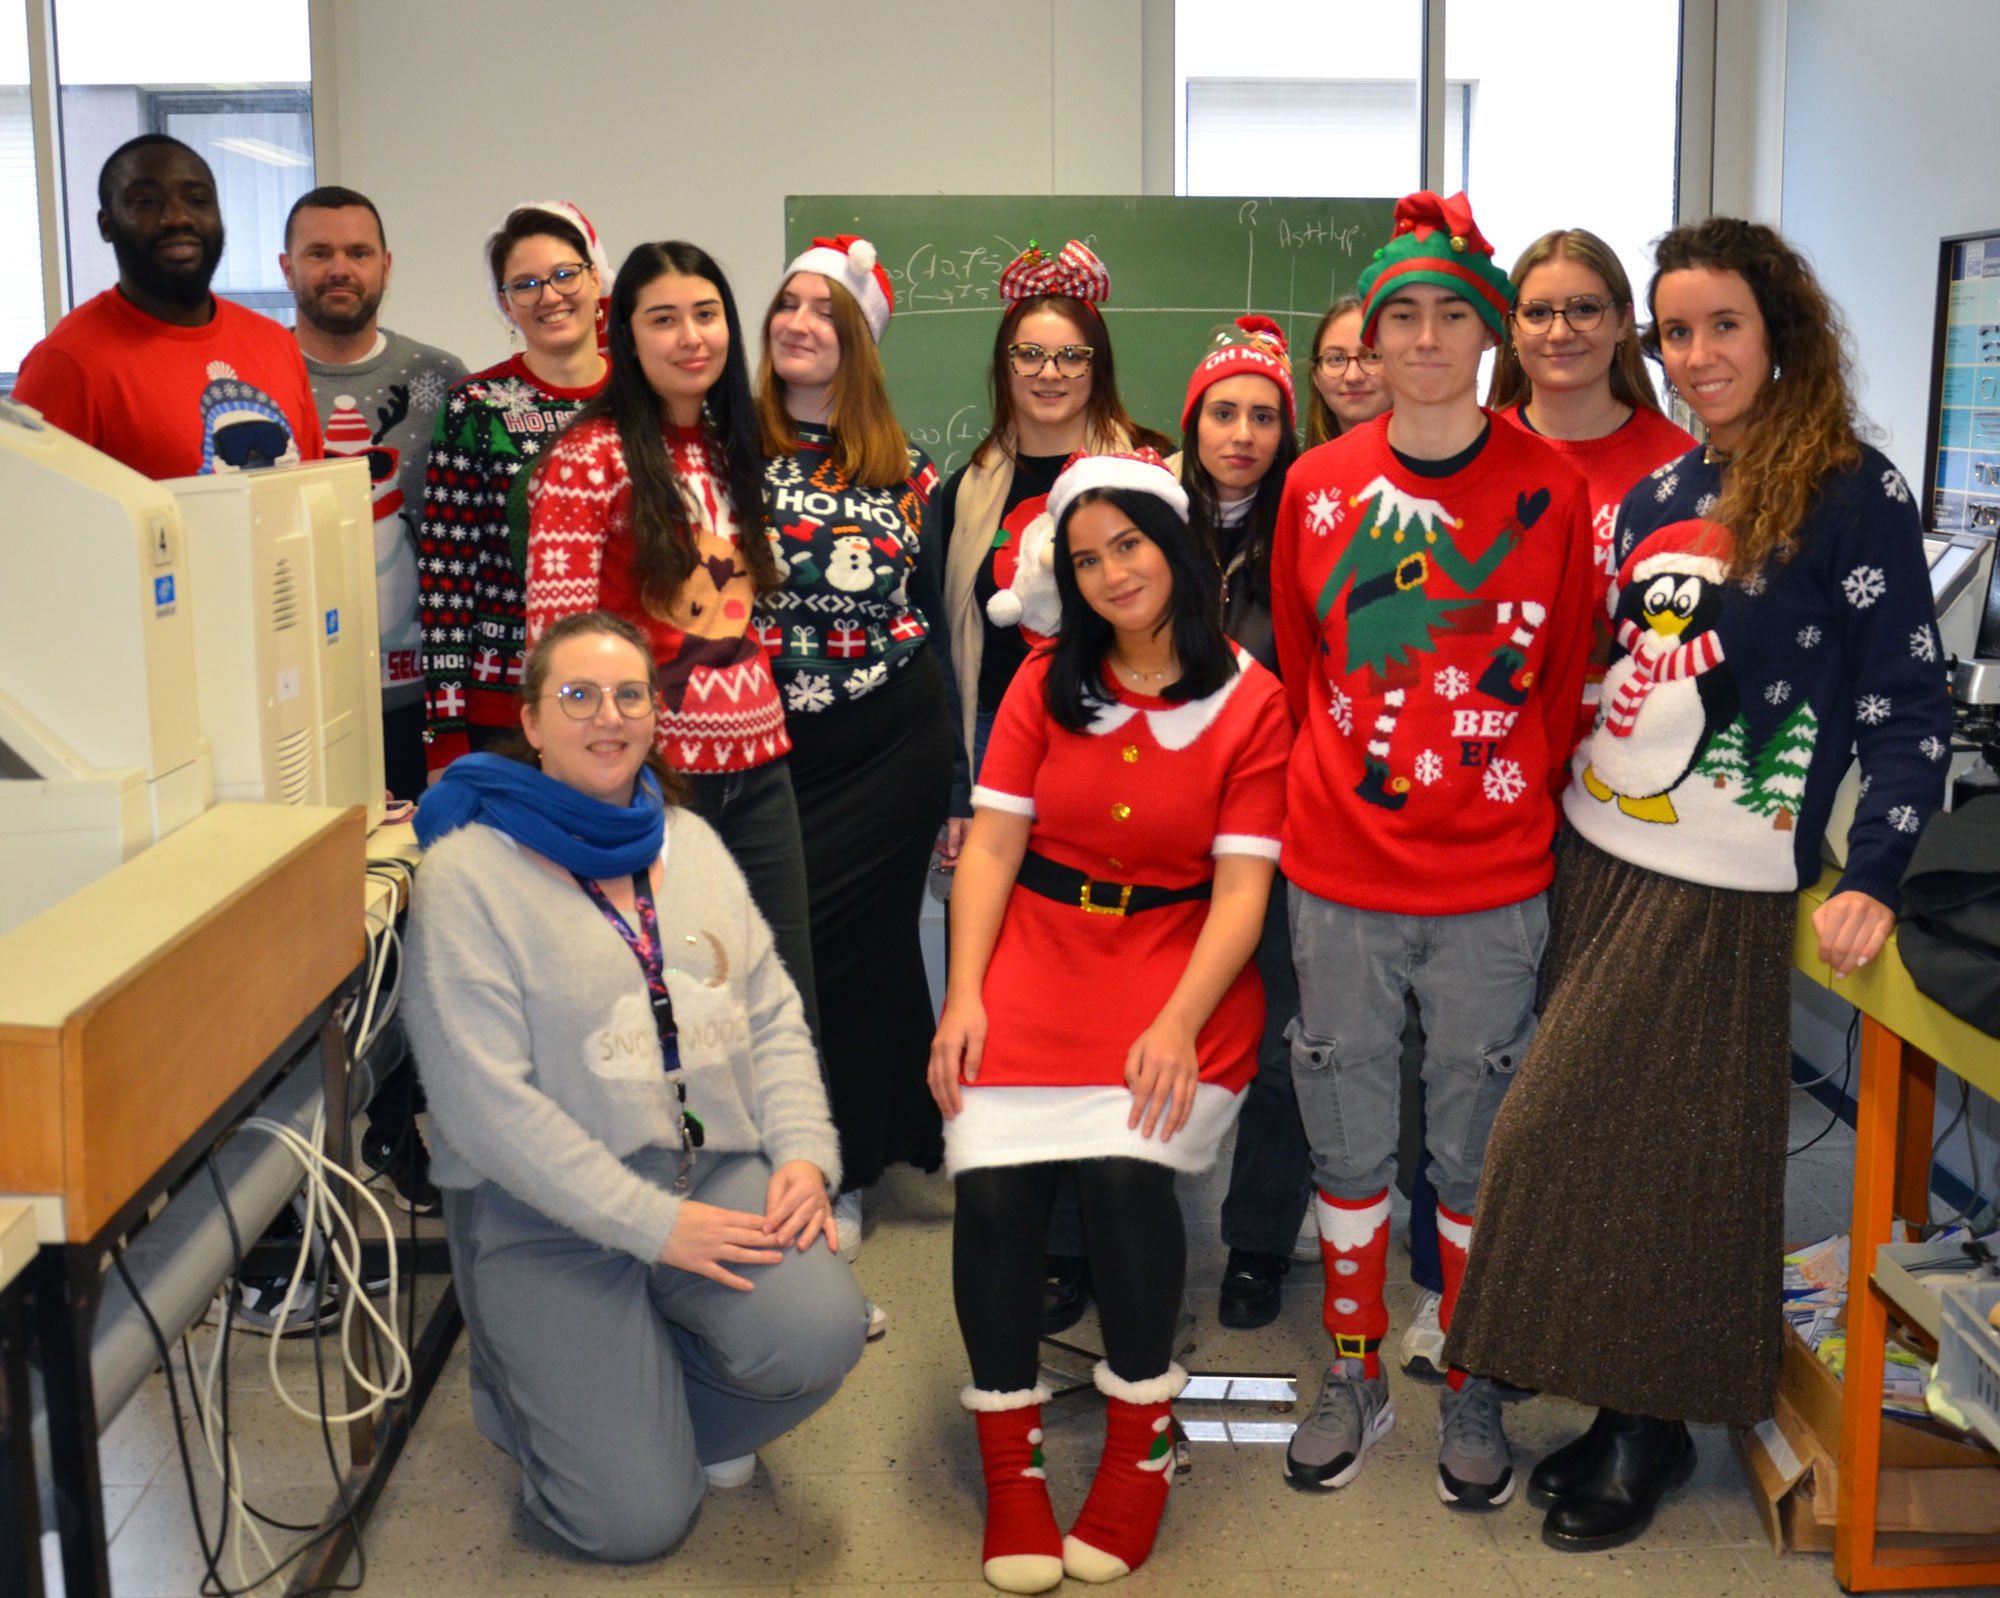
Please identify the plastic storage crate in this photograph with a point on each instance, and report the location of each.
(1968, 1364)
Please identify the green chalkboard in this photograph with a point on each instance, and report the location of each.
(1178, 268)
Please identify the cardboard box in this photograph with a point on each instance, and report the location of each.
(1933, 1492)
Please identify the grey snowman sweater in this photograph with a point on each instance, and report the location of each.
(535, 1038)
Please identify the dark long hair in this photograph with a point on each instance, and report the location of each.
(589, 624)
(1075, 686)
(1803, 426)
(663, 539)
(1103, 417)
(1260, 522)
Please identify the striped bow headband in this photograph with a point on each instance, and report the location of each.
(1075, 273)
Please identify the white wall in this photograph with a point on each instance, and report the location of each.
(696, 120)
(1887, 147)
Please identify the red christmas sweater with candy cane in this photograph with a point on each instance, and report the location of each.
(1432, 633)
(722, 710)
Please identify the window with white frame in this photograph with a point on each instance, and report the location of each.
(233, 79)
(21, 312)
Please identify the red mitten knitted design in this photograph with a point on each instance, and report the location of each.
(1023, 1547)
(1114, 1533)
(1354, 1244)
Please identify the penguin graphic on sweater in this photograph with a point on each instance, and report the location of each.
(1664, 697)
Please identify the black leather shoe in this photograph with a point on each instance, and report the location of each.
(1559, 1472)
(1065, 1292)
(1251, 1289)
(1640, 1461)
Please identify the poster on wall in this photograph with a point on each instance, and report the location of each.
(1962, 466)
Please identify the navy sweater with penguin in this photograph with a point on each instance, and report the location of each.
(1729, 720)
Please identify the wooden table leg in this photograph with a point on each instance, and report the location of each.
(1916, 1099)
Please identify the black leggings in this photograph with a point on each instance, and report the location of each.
(1138, 1265)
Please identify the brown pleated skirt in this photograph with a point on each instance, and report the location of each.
(1628, 1245)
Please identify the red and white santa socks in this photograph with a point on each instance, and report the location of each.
(1354, 1244)
(1454, 1243)
(1023, 1550)
(1121, 1517)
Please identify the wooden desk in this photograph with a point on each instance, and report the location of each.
(1904, 1036)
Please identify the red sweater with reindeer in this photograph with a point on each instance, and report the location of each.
(722, 711)
(1432, 633)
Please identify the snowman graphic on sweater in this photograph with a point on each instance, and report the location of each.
(1394, 622)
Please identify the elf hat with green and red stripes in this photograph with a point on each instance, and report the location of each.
(1436, 241)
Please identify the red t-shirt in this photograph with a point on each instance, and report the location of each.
(174, 401)
(1432, 633)
(1611, 465)
(1150, 794)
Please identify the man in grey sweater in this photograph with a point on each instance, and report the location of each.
(612, 1376)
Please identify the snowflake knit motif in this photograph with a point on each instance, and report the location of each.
(1923, 643)
(1933, 748)
(1777, 693)
(1864, 585)
(808, 691)
(1341, 707)
(1429, 767)
(869, 676)
(1323, 511)
(428, 389)
(1450, 683)
(1894, 486)
(1704, 505)
(1904, 818)
(1872, 709)
(1503, 782)
(1665, 491)
(1809, 636)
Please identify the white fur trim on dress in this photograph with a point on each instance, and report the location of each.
(1245, 843)
(1180, 726)
(1346, 1228)
(1160, 1389)
(1453, 1230)
(984, 798)
(1023, 1125)
(983, 1401)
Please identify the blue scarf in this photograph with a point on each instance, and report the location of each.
(579, 833)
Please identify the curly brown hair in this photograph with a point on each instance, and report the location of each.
(1803, 427)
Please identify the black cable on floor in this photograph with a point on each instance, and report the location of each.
(1840, 1094)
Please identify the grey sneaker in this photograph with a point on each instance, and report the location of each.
(1352, 1414)
(1423, 1339)
(1475, 1467)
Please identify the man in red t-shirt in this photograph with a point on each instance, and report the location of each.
(157, 372)
(1430, 595)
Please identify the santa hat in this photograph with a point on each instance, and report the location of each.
(1073, 273)
(347, 430)
(1436, 241)
(850, 261)
(592, 244)
(1686, 549)
(1142, 472)
(1254, 347)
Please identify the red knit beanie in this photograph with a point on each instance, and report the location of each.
(1254, 347)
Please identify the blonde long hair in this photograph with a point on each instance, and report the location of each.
(869, 445)
(1631, 384)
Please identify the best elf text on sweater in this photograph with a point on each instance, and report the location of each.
(1729, 713)
(469, 591)
(1432, 634)
(721, 703)
(540, 1054)
(849, 614)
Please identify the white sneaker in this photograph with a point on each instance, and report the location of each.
(727, 1473)
(847, 1224)
(1305, 1250)
(878, 1319)
(1425, 1338)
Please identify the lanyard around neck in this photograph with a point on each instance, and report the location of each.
(648, 951)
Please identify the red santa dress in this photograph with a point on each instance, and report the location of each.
(1150, 794)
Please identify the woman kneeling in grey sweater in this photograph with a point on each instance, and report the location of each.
(627, 1119)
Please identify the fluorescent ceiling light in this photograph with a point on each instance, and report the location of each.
(262, 150)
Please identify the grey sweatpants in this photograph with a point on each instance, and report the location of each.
(612, 1381)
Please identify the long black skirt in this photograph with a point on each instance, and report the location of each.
(873, 779)
(1629, 1241)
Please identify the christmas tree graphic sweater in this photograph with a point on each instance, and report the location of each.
(1730, 714)
(1432, 634)
(721, 704)
(469, 597)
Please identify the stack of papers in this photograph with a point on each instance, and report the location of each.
(1815, 1306)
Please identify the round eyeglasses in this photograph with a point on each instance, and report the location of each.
(1031, 360)
(1582, 311)
(565, 280)
(579, 700)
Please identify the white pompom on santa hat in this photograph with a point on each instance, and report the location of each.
(849, 260)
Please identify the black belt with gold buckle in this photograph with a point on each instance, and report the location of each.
(1065, 885)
